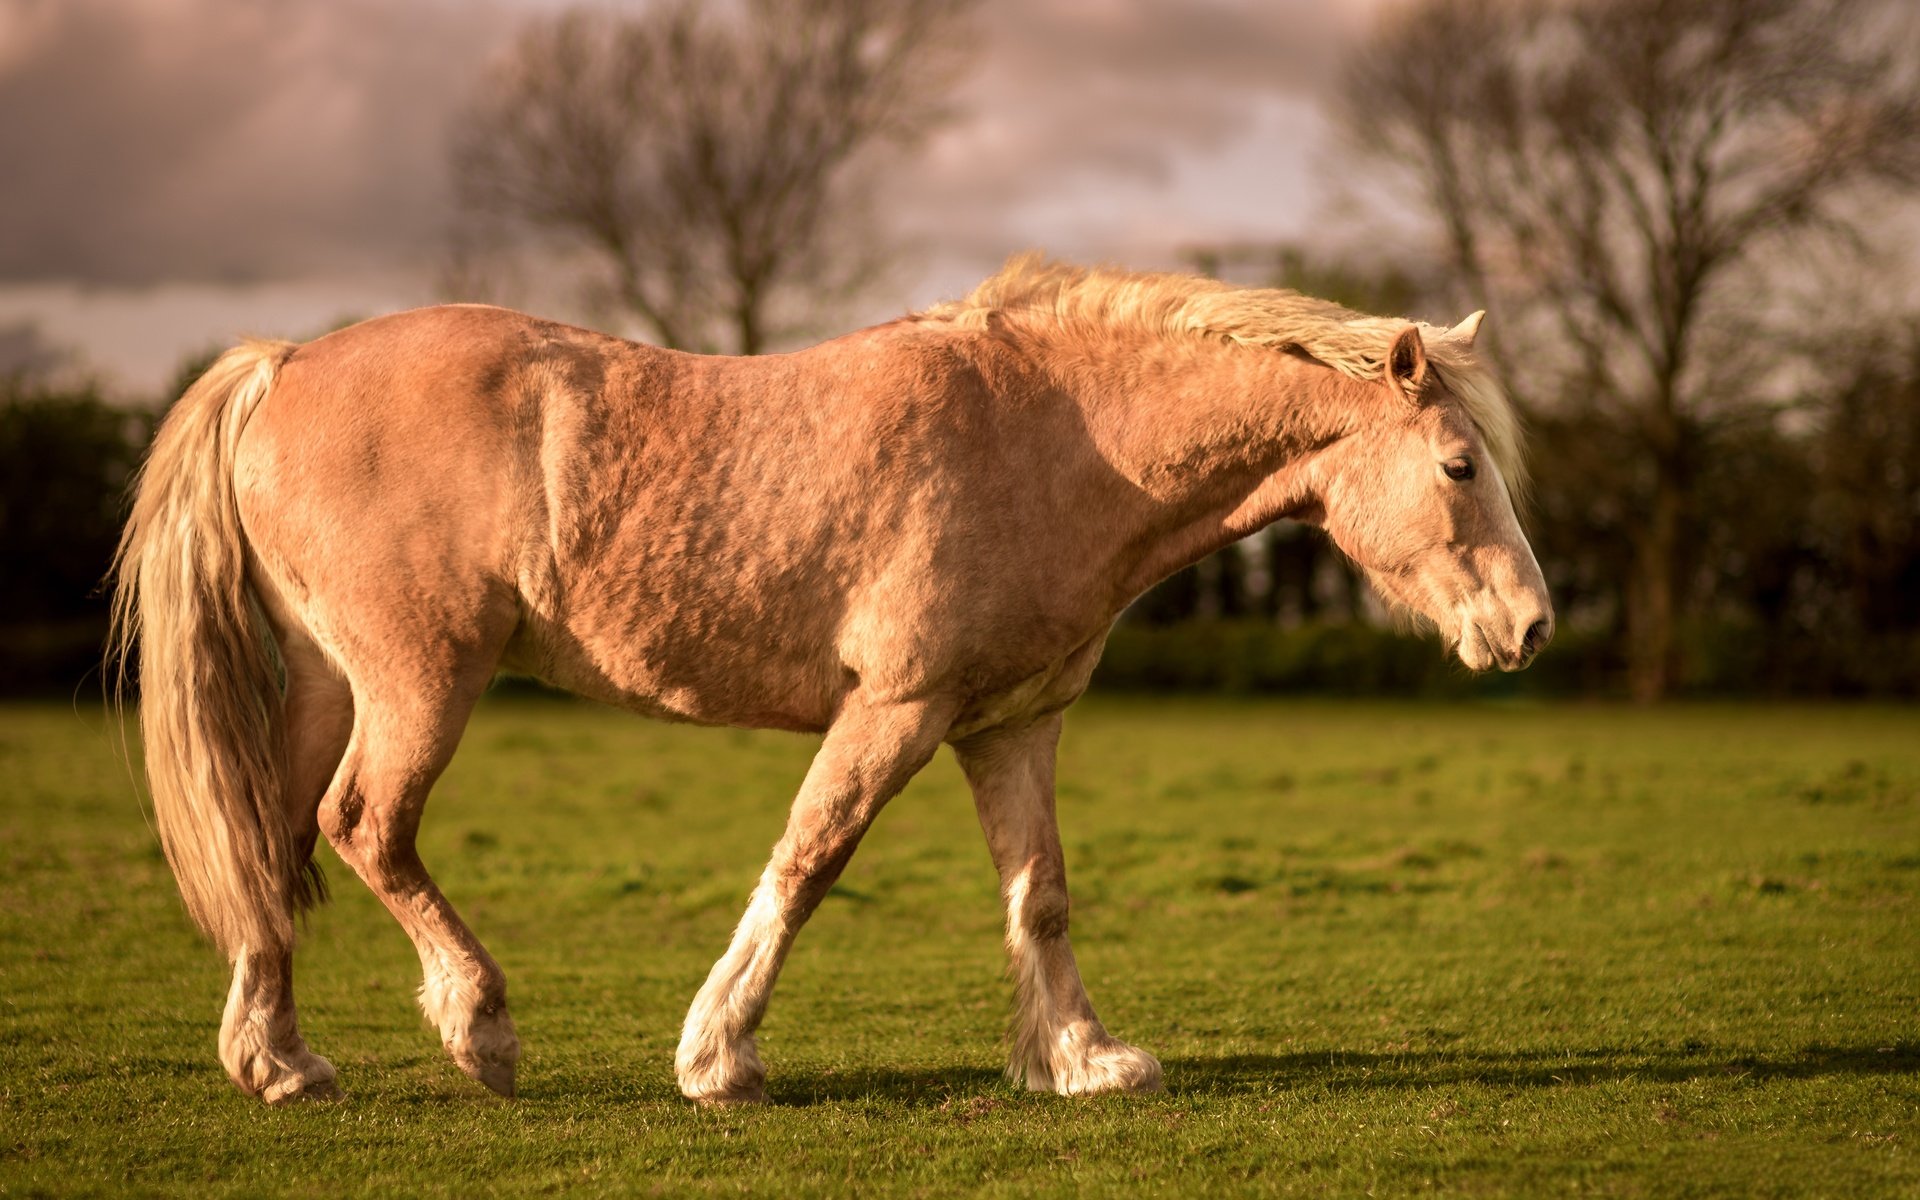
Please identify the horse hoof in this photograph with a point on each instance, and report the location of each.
(486, 1053)
(497, 1077)
(494, 1074)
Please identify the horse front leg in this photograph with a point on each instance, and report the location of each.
(1059, 1045)
(868, 756)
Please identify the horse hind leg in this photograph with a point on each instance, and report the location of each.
(405, 729)
(260, 1041)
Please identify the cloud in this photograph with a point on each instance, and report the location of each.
(1124, 89)
(174, 170)
(243, 140)
(1126, 130)
(25, 350)
(152, 140)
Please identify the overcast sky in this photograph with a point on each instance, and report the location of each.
(180, 172)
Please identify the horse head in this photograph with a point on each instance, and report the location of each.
(1421, 494)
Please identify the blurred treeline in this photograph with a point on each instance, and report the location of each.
(1803, 557)
(66, 455)
(1679, 214)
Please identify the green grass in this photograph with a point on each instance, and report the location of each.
(1380, 949)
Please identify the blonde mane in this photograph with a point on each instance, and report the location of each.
(1184, 306)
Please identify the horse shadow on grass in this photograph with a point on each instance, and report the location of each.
(1340, 1070)
(1385, 1071)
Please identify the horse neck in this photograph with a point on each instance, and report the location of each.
(1210, 436)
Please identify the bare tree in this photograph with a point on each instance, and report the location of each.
(1625, 183)
(708, 160)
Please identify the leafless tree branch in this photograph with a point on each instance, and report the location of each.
(708, 159)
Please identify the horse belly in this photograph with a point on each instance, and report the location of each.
(749, 696)
(634, 639)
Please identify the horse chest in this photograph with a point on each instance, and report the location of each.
(1047, 691)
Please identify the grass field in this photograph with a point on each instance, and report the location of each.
(1380, 949)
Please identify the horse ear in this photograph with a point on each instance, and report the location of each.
(1464, 332)
(1407, 364)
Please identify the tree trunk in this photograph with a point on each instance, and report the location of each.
(1207, 579)
(1650, 596)
(747, 331)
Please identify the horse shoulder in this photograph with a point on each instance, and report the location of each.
(979, 587)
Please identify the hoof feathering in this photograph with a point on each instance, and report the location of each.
(736, 1098)
(1116, 1067)
(309, 1077)
(1089, 1063)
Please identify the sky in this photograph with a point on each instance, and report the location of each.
(183, 172)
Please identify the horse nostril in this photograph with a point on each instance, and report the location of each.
(1536, 637)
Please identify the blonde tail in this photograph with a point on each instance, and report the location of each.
(209, 673)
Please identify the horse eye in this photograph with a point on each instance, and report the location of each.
(1459, 469)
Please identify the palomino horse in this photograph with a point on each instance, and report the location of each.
(914, 534)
